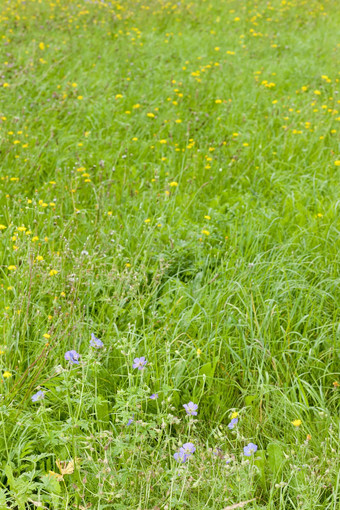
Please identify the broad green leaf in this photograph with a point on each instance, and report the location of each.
(276, 457)
(249, 399)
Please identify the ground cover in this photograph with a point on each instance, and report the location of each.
(169, 239)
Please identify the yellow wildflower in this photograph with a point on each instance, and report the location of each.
(296, 423)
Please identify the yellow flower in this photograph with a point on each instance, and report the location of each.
(162, 141)
(35, 238)
(6, 375)
(5, 85)
(39, 258)
(53, 272)
(12, 268)
(296, 423)
(74, 85)
(2, 227)
(119, 96)
(207, 217)
(46, 335)
(147, 220)
(127, 264)
(151, 115)
(42, 46)
(198, 352)
(62, 294)
(234, 415)
(206, 232)
(218, 101)
(80, 98)
(337, 163)
(173, 184)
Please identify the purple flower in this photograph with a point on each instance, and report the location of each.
(139, 363)
(95, 342)
(72, 356)
(191, 408)
(232, 424)
(130, 420)
(38, 396)
(249, 449)
(154, 396)
(188, 448)
(185, 452)
(180, 456)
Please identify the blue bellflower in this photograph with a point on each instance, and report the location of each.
(95, 342)
(249, 449)
(232, 424)
(191, 408)
(185, 452)
(38, 396)
(130, 420)
(139, 363)
(72, 356)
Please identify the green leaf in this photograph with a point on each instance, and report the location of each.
(3, 505)
(208, 369)
(51, 484)
(260, 463)
(103, 413)
(276, 457)
(249, 399)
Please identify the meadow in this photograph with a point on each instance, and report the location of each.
(169, 254)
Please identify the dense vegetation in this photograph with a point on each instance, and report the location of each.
(169, 243)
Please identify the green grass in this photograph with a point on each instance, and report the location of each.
(209, 245)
